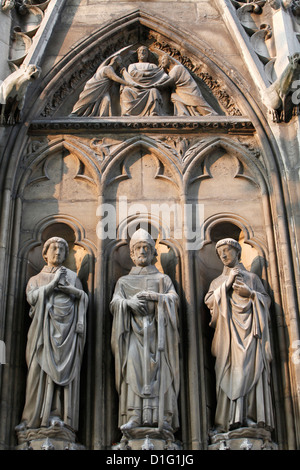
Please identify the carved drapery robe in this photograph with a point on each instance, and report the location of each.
(142, 102)
(241, 345)
(95, 99)
(54, 351)
(128, 345)
(187, 98)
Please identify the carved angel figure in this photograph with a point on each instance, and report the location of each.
(96, 97)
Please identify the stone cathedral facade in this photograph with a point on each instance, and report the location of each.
(177, 117)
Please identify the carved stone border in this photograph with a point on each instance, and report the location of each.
(228, 124)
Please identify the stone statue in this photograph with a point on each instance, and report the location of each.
(276, 96)
(55, 343)
(96, 97)
(186, 97)
(143, 99)
(12, 93)
(239, 308)
(145, 345)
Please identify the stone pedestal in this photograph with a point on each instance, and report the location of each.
(243, 439)
(52, 438)
(146, 438)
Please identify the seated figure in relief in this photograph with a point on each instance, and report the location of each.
(143, 99)
(186, 96)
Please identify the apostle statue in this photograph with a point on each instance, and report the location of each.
(55, 343)
(186, 95)
(145, 343)
(239, 308)
(143, 99)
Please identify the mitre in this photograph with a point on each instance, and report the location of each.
(141, 235)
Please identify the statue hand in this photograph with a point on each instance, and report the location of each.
(79, 328)
(148, 295)
(242, 289)
(234, 272)
(138, 306)
(68, 289)
(60, 273)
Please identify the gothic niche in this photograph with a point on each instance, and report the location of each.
(141, 83)
(56, 274)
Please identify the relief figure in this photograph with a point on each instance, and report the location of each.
(144, 99)
(186, 96)
(96, 97)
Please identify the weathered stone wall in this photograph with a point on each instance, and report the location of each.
(240, 165)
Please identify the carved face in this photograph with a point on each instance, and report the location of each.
(142, 254)
(295, 60)
(56, 254)
(228, 255)
(165, 61)
(142, 53)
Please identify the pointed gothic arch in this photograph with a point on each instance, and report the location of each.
(84, 58)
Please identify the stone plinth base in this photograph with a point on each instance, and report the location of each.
(146, 438)
(243, 439)
(52, 438)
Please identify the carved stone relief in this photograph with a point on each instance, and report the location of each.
(145, 75)
(260, 33)
(110, 85)
(26, 20)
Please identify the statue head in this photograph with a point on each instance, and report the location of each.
(55, 251)
(165, 61)
(143, 53)
(116, 61)
(142, 248)
(229, 251)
